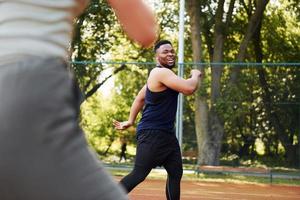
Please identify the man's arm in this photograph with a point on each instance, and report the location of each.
(168, 78)
(136, 107)
(137, 19)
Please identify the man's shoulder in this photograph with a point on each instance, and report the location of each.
(161, 70)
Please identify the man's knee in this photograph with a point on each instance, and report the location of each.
(140, 175)
(176, 173)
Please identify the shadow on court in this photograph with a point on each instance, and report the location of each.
(152, 189)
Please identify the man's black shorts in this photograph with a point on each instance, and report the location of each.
(157, 148)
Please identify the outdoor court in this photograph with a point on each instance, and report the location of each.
(152, 189)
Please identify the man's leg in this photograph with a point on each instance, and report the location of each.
(173, 165)
(145, 154)
(137, 176)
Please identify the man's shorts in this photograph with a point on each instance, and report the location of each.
(157, 148)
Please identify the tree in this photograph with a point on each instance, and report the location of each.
(211, 126)
(96, 30)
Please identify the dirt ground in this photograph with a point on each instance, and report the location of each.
(196, 190)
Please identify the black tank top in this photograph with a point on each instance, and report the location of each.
(159, 111)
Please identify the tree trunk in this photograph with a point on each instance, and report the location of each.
(253, 25)
(201, 106)
(212, 147)
(210, 135)
(267, 100)
(213, 143)
(209, 126)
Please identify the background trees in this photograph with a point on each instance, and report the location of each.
(236, 31)
(247, 112)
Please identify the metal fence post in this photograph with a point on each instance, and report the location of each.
(179, 116)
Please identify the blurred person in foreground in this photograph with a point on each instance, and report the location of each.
(43, 152)
(157, 144)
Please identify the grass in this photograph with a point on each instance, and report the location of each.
(239, 178)
(114, 167)
(215, 177)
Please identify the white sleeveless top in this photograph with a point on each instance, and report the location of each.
(37, 27)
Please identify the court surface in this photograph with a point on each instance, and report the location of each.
(152, 189)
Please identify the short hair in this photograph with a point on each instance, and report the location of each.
(159, 43)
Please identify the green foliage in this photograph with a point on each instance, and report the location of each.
(281, 35)
(127, 85)
(242, 108)
(96, 33)
(97, 114)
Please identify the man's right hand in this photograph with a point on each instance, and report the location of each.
(196, 73)
(121, 125)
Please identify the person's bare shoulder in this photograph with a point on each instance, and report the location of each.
(161, 72)
(157, 78)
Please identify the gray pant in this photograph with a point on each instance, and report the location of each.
(43, 152)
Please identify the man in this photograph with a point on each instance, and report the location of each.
(43, 152)
(123, 149)
(157, 144)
